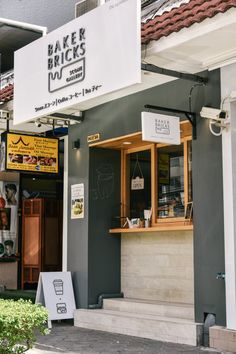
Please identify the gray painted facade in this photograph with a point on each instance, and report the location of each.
(96, 265)
(121, 117)
(208, 215)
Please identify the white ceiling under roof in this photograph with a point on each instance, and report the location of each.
(203, 46)
(15, 35)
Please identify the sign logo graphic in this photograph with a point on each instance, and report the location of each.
(20, 140)
(66, 61)
(162, 126)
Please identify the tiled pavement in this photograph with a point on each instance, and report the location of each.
(65, 338)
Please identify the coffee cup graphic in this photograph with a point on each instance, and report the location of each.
(58, 286)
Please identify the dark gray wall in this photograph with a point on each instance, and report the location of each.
(121, 117)
(78, 228)
(104, 206)
(208, 215)
(49, 13)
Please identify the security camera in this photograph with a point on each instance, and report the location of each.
(38, 123)
(213, 113)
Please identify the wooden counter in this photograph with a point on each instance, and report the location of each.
(163, 227)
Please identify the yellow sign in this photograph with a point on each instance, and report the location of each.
(31, 153)
(93, 138)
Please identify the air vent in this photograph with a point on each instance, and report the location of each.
(84, 6)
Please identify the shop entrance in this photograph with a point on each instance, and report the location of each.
(33, 223)
(156, 226)
(156, 242)
(41, 224)
(41, 236)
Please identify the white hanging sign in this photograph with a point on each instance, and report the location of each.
(160, 128)
(137, 183)
(55, 292)
(91, 56)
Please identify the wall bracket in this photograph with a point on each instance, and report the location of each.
(77, 118)
(185, 76)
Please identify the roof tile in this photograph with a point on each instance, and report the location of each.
(184, 16)
(6, 94)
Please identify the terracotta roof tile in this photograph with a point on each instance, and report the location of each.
(6, 94)
(182, 17)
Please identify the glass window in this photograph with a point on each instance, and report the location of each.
(170, 181)
(140, 183)
(158, 178)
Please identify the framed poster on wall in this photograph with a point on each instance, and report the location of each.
(77, 201)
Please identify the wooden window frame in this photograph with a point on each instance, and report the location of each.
(137, 145)
(125, 177)
(125, 180)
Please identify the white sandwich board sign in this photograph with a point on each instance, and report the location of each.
(55, 292)
(91, 56)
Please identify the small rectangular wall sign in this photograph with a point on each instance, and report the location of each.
(92, 138)
(77, 201)
(160, 128)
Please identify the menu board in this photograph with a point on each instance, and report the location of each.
(55, 292)
(31, 153)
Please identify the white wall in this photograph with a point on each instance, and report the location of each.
(228, 84)
(65, 207)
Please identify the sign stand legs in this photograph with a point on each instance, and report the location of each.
(49, 324)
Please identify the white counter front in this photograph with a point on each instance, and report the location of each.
(158, 266)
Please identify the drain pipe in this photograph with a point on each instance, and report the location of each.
(209, 322)
(210, 319)
(105, 296)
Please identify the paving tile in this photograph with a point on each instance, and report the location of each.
(67, 339)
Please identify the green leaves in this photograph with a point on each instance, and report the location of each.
(19, 322)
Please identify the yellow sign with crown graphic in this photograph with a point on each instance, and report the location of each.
(31, 153)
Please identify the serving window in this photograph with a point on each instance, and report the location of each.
(174, 180)
(155, 177)
(170, 181)
(165, 176)
(137, 186)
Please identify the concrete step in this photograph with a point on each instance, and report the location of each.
(160, 308)
(155, 327)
